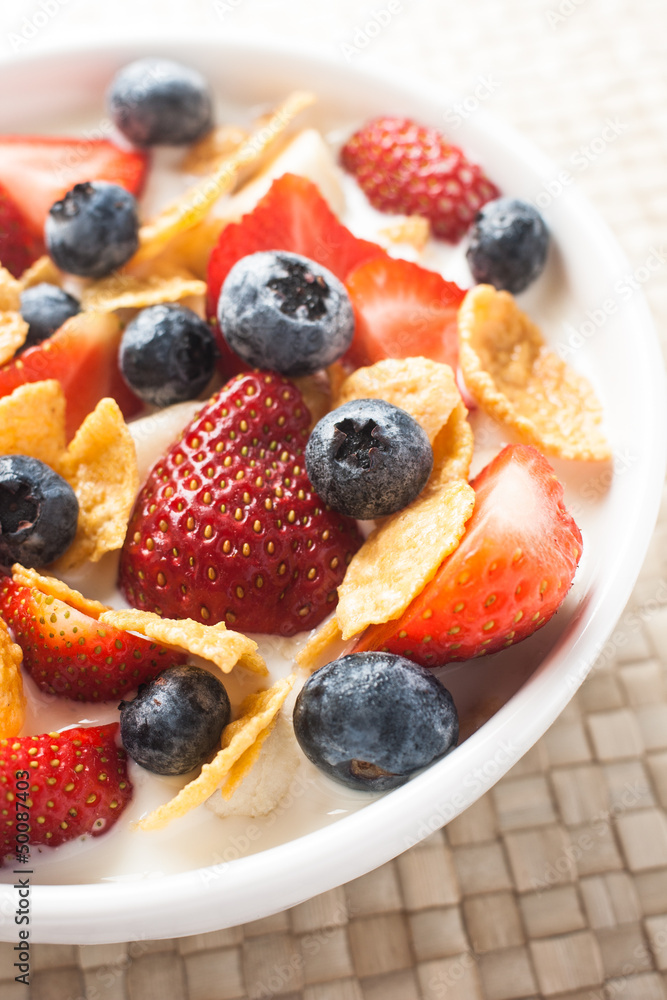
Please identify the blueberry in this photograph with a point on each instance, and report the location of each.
(167, 354)
(158, 101)
(45, 308)
(370, 720)
(175, 721)
(38, 512)
(368, 458)
(508, 245)
(93, 229)
(282, 311)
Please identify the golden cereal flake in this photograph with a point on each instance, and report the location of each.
(13, 333)
(100, 465)
(426, 389)
(52, 587)
(43, 270)
(193, 206)
(384, 576)
(128, 291)
(12, 698)
(10, 292)
(413, 230)
(32, 422)
(244, 765)
(311, 656)
(523, 385)
(452, 449)
(216, 643)
(205, 156)
(257, 713)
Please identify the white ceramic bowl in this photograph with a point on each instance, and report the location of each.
(532, 683)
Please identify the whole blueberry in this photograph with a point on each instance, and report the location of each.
(167, 354)
(368, 458)
(370, 720)
(93, 229)
(45, 308)
(158, 101)
(282, 311)
(38, 512)
(175, 721)
(508, 245)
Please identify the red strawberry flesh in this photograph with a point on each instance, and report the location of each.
(19, 245)
(70, 654)
(77, 784)
(412, 169)
(39, 170)
(227, 526)
(509, 575)
(83, 356)
(401, 311)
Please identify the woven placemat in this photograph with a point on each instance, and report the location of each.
(582, 816)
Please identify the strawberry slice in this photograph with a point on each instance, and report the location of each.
(292, 216)
(227, 526)
(509, 575)
(401, 311)
(83, 356)
(38, 170)
(62, 786)
(19, 246)
(68, 653)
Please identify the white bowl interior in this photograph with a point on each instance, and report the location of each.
(532, 683)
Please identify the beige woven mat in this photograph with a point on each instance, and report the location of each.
(458, 917)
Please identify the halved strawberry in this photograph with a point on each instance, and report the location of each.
(69, 653)
(83, 356)
(56, 787)
(38, 170)
(19, 246)
(228, 527)
(292, 216)
(510, 573)
(402, 311)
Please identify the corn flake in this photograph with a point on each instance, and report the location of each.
(310, 657)
(520, 383)
(52, 587)
(257, 713)
(10, 292)
(205, 156)
(32, 422)
(192, 207)
(426, 389)
(127, 291)
(100, 465)
(384, 576)
(452, 449)
(244, 765)
(12, 698)
(216, 643)
(42, 270)
(413, 230)
(13, 333)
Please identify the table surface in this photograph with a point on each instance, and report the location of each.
(584, 811)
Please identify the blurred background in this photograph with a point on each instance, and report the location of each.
(583, 814)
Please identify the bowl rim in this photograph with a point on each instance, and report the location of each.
(260, 884)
